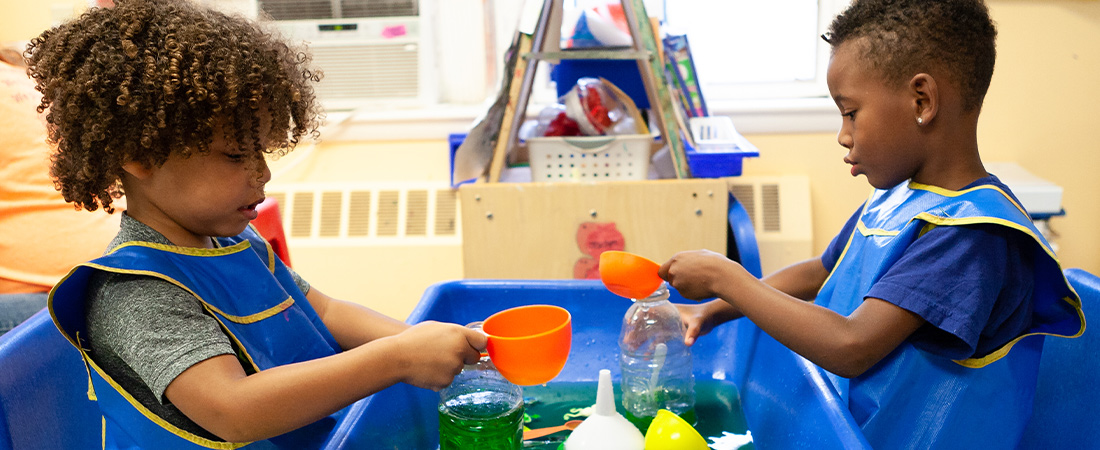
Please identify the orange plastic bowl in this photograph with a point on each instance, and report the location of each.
(629, 275)
(529, 345)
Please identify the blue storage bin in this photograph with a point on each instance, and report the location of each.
(720, 148)
(785, 406)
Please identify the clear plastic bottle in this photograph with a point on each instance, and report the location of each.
(656, 365)
(481, 409)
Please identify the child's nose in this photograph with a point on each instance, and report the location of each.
(844, 138)
(265, 171)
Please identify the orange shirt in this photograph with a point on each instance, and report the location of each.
(41, 236)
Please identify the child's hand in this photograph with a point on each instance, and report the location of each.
(700, 319)
(695, 321)
(433, 353)
(696, 273)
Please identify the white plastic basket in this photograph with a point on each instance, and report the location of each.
(715, 134)
(590, 158)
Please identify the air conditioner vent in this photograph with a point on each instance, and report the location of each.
(296, 9)
(446, 212)
(769, 194)
(331, 206)
(388, 212)
(359, 214)
(744, 194)
(368, 71)
(379, 8)
(353, 214)
(780, 210)
(416, 213)
(301, 217)
(337, 9)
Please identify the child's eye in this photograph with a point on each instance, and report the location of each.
(236, 157)
(851, 115)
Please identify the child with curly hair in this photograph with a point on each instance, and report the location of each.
(195, 334)
(922, 307)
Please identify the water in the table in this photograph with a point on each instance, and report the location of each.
(717, 408)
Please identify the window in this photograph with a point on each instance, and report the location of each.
(762, 63)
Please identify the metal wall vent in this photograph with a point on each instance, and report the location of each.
(336, 9)
(763, 203)
(769, 194)
(326, 214)
(377, 70)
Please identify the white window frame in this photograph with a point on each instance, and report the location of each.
(811, 111)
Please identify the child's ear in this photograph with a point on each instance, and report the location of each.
(137, 170)
(926, 99)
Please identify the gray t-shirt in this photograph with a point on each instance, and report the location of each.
(144, 331)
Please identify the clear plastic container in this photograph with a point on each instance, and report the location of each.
(656, 365)
(481, 409)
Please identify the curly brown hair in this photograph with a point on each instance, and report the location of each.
(148, 78)
(907, 37)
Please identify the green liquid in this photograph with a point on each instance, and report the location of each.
(643, 422)
(485, 423)
(717, 409)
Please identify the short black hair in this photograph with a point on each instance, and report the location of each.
(149, 78)
(902, 38)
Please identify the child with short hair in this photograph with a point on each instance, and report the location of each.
(194, 332)
(921, 307)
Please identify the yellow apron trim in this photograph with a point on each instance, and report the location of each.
(190, 251)
(194, 438)
(847, 244)
(270, 249)
(253, 318)
(873, 231)
(103, 432)
(950, 193)
(997, 354)
(84, 356)
(215, 313)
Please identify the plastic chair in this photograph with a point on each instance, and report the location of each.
(742, 245)
(1063, 416)
(44, 390)
(270, 225)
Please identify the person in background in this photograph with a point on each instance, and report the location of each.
(195, 333)
(928, 310)
(41, 236)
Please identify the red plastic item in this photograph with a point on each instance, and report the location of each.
(270, 225)
(562, 125)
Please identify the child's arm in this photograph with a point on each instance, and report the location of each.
(218, 396)
(352, 324)
(846, 346)
(800, 280)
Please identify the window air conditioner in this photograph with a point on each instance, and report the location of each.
(374, 51)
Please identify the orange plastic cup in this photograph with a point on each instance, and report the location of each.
(529, 344)
(629, 275)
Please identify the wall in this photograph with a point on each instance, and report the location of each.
(1039, 113)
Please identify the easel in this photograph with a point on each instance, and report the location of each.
(544, 45)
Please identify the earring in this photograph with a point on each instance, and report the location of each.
(920, 121)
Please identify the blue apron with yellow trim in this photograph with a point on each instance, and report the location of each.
(912, 398)
(246, 289)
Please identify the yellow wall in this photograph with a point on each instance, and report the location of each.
(22, 20)
(1039, 113)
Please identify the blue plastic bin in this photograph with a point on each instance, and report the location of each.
(405, 417)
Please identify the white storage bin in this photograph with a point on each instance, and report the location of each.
(590, 158)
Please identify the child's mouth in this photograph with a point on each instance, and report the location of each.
(250, 210)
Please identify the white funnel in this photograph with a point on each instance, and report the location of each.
(605, 429)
